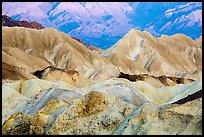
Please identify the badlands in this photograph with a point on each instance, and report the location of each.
(52, 84)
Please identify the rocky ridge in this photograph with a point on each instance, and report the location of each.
(53, 84)
(156, 56)
(86, 20)
(7, 21)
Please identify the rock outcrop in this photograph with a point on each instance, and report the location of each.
(109, 107)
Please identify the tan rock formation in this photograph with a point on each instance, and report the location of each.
(141, 53)
(26, 51)
(34, 50)
(53, 84)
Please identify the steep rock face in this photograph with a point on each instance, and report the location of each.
(110, 107)
(49, 47)
(141, 53)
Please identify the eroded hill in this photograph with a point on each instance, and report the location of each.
(53, 84)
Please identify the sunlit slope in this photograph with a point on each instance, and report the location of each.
(34, 50)
(141, 53)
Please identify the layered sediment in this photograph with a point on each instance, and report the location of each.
(52, 84)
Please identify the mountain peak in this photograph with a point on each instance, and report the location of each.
(103, 23)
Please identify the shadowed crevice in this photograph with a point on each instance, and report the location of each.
(41, 73)
(190, 98)
(163, 79)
